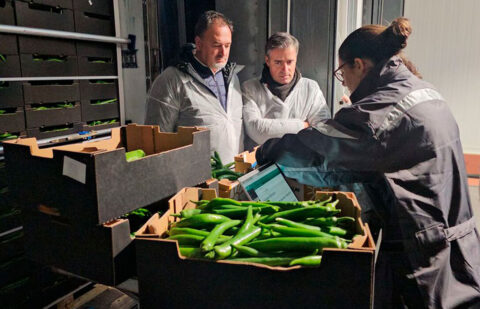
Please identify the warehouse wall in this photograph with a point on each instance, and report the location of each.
(445, 46)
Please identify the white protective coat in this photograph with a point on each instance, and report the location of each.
(182, 99)
(267, 116)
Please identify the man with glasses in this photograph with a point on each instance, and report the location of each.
(281, 101)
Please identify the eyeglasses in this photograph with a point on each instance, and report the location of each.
(339, 74)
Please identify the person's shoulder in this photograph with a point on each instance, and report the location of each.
(252, 84)
(309, 83)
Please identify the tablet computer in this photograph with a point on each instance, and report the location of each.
(267, 183)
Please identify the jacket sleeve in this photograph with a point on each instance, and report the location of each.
(327, 155)
(258, 127)
(319, 110)
(163, 104)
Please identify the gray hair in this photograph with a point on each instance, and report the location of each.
(209, 17)
(281, 40)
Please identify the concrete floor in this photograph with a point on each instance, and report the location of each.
(475, 198)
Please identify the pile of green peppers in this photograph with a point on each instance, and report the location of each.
(220, 171)
(270, 233)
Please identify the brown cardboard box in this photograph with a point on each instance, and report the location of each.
(244, 161)
(92, 183)
(343, 280)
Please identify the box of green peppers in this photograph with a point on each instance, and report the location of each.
(256, 254)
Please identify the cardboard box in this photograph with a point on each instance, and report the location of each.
(245, 160)
(95, 89)
(38, 15)
(94, 23)
(92, 183)
(52, 117)
(7, 15)
(13, 122)
(46, 46)
(98, 6)
(48, 132)
(343, 280)
(9, 44)
(104, 253)
(91, 111)
(32, 68)
(10, 68)
(51, 92)
(11, 94)
(231, 189)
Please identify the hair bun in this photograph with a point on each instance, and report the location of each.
(400, 30)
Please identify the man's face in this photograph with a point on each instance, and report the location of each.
(213, 47)
(282, 63)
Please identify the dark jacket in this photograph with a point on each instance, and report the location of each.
(401, 140)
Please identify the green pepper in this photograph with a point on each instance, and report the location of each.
(270, 261)
(99, 102)
(297, 243)
(187, 239)
(134, 155)
(264, 209)
(291, 205)
(191, 231)
(292, 231)
(225, 249)
(311, 260)
(329, 221)
(234, 213)
(334, 230)
(209, 242)
(2, 111)
(297, 225)
(303, 213)
(187, 213)
(55, 60)
(218, 201)
(201, 220)
(3, 58)
(190, 252)
(247, 250)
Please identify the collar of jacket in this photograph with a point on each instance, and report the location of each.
(187, 61)
(380, 75)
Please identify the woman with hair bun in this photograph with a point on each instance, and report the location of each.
(399, 139)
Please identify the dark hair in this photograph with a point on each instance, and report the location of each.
(281, 40)
(209, 17)
(378, 43)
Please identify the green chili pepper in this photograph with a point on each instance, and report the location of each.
(297, 243)
(234, 213)
(225, 249)
(297, 225)
(302, 213)
(270, 261)
(218, 202)
(2, 111)
(99, 102)
(247, 250)
(201, 220)
(55, 60)
(3, 58)
(264, 209)
(190, 252)
(134, 155)
(187, 213)
(209, 242)
(334, 230)
(187, 239)
(292, 231)
(329, 221)
(311, 260)
(292, 205)
(191, 231)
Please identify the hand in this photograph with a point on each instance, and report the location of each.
(306, 124)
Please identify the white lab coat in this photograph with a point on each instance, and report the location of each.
(266, 116)
(181, 98)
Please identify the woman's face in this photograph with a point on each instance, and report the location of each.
(354, 72)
